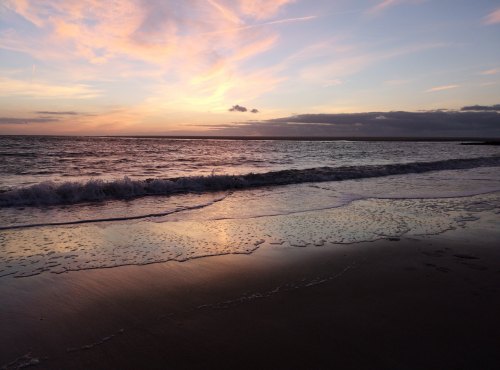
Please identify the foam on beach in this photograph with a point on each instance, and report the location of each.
(59, 249)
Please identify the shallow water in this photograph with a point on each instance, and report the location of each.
(180, 237)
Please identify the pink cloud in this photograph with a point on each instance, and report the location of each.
(148, 31)
(190, 56)
(44, 89)
(188, 42)
(261, 9)
(490, 72)
(442, 88)
(493, 17)
(227, 13)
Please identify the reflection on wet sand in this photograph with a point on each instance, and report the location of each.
(58, 249)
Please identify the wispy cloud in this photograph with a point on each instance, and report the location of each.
(333, 82)
(258, 25)
(200, 48)
(226, 12)
(442, 88)
(160, 32)
(397, 82)
(352, 60)
(493, 17)
(261, 9)
(40, 90)
(382, 6)
(168, 63)
(490, 72)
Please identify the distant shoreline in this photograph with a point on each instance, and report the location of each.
(473, 140)
(487, 142)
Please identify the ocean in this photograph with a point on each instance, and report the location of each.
(76, 203)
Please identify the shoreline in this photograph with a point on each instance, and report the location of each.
(420, 302)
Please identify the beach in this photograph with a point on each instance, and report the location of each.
(398, 302)
(249, 184)
(301, 254)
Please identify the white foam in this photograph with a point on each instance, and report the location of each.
(47, 193)
(58, 249)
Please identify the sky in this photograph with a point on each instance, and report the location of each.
(250, 67)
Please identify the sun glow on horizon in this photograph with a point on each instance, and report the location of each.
(168, 67)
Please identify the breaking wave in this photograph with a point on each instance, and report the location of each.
(51, 193)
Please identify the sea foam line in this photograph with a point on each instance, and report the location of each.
(110, 219)
(51, 193)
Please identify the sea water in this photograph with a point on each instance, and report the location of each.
(75, 203)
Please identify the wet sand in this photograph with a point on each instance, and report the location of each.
(428, 302)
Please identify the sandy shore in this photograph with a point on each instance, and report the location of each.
(430, 302)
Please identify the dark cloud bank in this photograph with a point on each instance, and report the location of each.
(476, 121)
(25, 121)
(43, 116)
(472, 121)
(64, 113)
(484, 108)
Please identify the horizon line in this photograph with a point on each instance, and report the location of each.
(278, 138)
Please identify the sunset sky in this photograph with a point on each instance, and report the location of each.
(177, 67)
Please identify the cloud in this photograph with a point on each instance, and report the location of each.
(397, 82)
(486, 108)
(489, 83)
(493, 17)
(64, 113)
(442, 88)
(225, 12)
(190, 55)
(24, 121)
(439, 123)
(258, 25)
(382, 6)
(261, 9)
(490, 72)
(333, 82)
(154, 31)
(42, 89)
(346, 60)
(237, 108)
